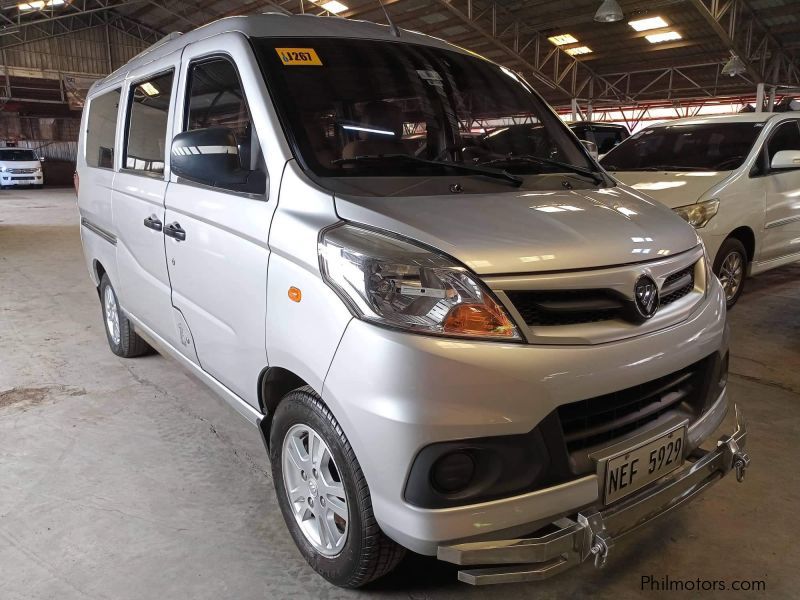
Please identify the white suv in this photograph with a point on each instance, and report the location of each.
(20, 167)
(449, 325)
(735, 178)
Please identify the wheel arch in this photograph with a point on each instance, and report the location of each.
(273, 385)
(748, 238)
(99, 271)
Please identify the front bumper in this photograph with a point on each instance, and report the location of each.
(13, 179)
(594, 532)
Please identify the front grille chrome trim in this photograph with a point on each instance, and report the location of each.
(682, 300)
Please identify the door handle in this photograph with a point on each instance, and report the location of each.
(174, 230)
(153, 222)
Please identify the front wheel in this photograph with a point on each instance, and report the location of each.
(731, 267)
(324, 496)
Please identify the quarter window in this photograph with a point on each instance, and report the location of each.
(146, 139)
(215, 98)
(101, 130)
(785, 137)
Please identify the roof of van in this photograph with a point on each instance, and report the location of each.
(273, 25)
(748, 117)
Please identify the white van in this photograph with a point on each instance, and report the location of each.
(20, 167)
(451, 331)
(735, 178)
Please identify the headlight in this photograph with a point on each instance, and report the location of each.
(3, 169)
(698, 214)
(394, 282)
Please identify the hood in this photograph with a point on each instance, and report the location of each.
(530, 231)
(672, 188)
(20, 164)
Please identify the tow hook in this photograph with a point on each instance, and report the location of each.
(600, 548)
(739, 459)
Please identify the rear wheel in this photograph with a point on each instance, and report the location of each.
(122, 339)
(731, 267)
(323, 495)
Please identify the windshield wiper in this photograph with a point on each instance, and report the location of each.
(475, 170)
(530, 158)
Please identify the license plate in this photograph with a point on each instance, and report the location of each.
(633, 469)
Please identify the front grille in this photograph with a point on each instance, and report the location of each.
(566, 307)
(542, 308)
(677, 285)
(22, 171)
(607, 418)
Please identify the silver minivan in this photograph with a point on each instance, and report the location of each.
(454, 331)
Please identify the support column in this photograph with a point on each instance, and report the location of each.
(760, 98)
(771, 107)
(574, 104)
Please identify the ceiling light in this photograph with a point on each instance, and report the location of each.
(334, 7)
(149, 89)
(735, 66)
(646, 24)
(33, 5)
(667, 36)
(564, 38)
(608, 12)
(578, 50)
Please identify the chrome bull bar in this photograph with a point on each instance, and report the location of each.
(593, 533)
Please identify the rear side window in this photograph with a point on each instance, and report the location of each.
(785, 137)
(146, 138)
(215, 98)
(101, 130)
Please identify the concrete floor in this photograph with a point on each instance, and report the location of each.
(127, 479)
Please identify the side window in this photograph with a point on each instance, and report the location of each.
(215, 98)
(101, 130)
(146, 137)
(785, 137)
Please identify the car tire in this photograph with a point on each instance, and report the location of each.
(731, 268)
(122, 339)
(352, 552)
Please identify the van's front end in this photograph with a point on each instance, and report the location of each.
(532, 345)
(20, 167)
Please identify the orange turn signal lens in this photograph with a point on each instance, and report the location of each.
(295, 295)
(478, 320)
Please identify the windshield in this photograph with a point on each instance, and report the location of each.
(700, 147)
(359, 108)
(14, 154)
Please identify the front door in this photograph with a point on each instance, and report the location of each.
(782, 221)
(217, 252)
(138, 195)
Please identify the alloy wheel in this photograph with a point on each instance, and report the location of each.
(315, 490)
(731, 273)
(112, 314)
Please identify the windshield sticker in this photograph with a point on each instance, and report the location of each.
(293, 57)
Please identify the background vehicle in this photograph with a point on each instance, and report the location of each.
(735, 178)
(606, 136)
(427, 311)
(20, 166)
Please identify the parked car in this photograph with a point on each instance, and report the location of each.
(20, 166)
(735, 178)
(606, 136)
(441, 354)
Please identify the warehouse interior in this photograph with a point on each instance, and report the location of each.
(130, 479)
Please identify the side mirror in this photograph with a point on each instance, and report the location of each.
(41, 159)
(786, 159)
(591, 147)
(209, 156)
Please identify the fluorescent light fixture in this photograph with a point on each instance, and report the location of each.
(334, 7)
(149, 89)
(32, 5)
(667, 36)
(564, 38)
(647, 24)
(367, 130)
(56, 2)
(578, 50)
